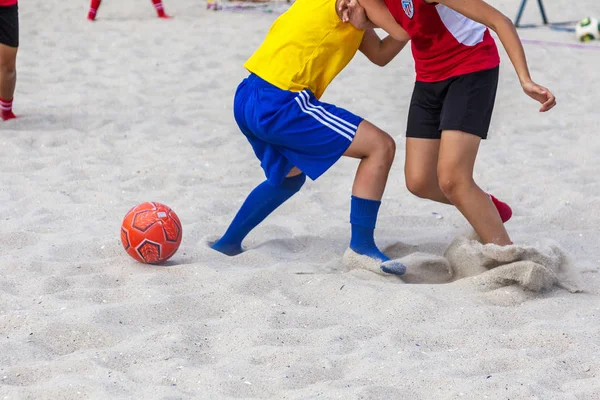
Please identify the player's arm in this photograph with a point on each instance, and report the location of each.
(380, 16)
(480, 11)
(378, 51)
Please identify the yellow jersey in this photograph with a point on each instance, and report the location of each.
(306, 47)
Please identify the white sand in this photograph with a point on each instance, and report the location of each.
(132, 108)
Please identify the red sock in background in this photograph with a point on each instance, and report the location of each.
(159, 9)
(6, 109)
(93, 9)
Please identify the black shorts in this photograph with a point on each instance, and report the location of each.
(463, 103)
(9, 26)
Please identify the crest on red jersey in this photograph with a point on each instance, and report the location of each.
(409, 8)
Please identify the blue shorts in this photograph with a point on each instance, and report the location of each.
(291, 129)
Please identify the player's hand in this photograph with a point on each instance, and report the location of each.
(346, 7)
(540, 94)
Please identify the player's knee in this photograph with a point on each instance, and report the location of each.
(418, 184)
(294, 183)
(8, 69)
(453, 184)
(386, 149)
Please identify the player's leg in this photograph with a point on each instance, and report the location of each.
(458, 151)
(286, 180)
(376, 151)
(8, 80)
(321, 134)
(94, 5)
(465, 121)
(9, 43)
(330, 132)
(423, 140)
(260, 203)
(447, 103)
(160, 10)
(420, 169)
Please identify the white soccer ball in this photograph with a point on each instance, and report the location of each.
(588, 29)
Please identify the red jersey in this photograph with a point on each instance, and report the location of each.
(444, 42)
(6, 3)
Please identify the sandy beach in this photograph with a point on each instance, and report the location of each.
(131, 108)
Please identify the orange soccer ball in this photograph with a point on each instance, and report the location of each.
(151, 232)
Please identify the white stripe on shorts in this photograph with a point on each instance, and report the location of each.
(334, 128)
(331, 116)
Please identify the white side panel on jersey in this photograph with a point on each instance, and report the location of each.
(465, 30)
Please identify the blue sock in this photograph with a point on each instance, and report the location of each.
(261, 202)
(363, 217)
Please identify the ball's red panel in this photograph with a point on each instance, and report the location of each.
(172, 228)
(142, 220)
(150, 252)
(151, 232)
(125, 239)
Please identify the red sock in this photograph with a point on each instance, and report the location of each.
(94, 5)
(159, 9)
(6, 109)
(503, 209)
